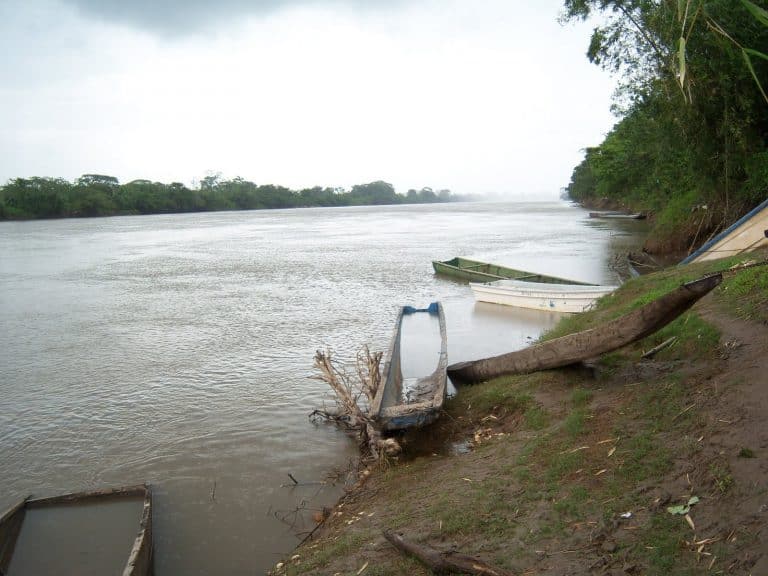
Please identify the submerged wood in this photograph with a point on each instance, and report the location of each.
(590, 343)
(139, 561)
(443, 562)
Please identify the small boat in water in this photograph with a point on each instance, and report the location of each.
(565, 297)
(81, 533)
(618, 215)
(413, 380)
(476, 271)
(748, 233)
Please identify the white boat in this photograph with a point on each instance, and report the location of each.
(540, 296)
(748, 233)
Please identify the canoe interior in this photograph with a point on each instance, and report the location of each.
(476, 271)
(414, 375)
(87, 533)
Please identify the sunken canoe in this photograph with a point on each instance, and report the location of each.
(476, 271)
(590, 343)
(540, 295)
(413, 380)
(138, 556)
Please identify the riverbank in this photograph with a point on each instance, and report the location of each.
(578, 470)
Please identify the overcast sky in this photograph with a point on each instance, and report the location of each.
(478, 96)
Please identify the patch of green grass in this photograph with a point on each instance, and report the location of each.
(696, 338)
(644, 456)
(721, 476)
(562, 464)
(745, 293)
(573, 505)
(404, 566)
(500, 393)
(573, 425)
(536, 418)
(581, 397)
(661, 403)
(485, 507)
(328, 550)
(661, 543)
(746, 453)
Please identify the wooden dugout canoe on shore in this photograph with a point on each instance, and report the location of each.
(414, 378)
(138, 557)
(588, 343)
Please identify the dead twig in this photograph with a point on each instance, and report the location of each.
(443, 562)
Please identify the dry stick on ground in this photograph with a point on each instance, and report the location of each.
(666, 344)
(443, 562)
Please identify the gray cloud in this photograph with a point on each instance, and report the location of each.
(188, 16)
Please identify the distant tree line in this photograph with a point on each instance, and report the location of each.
(100, 195)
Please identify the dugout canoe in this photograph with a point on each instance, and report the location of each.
(414, 379)
(590, 343)
(477, 271)
(65, 549)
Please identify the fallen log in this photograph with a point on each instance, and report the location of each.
(443, 562)
(590, 343)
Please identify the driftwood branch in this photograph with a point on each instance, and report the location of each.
(443, 562)
(350, 414)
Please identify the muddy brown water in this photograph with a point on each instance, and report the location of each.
(91, 539)
(177, 349)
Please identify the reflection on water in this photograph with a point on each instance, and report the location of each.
(178, 349)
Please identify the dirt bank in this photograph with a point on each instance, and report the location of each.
(575, 471)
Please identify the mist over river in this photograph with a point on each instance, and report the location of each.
(177, 349)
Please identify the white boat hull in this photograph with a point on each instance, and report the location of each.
(749, 233)
(538, 296)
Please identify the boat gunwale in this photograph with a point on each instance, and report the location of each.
(453, 268)
(438, 378)
(562, 290)
(142, 543)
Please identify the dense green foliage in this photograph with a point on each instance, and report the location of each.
(98, 195)
(690, 147)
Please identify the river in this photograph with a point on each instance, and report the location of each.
(177, 349)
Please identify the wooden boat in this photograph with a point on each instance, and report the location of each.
(618, 215)
(413, 380)
(748, 233)
(57, 544)
(476, 271)
(590, 343)
(564, 297)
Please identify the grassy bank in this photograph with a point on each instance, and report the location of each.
(574, 470)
